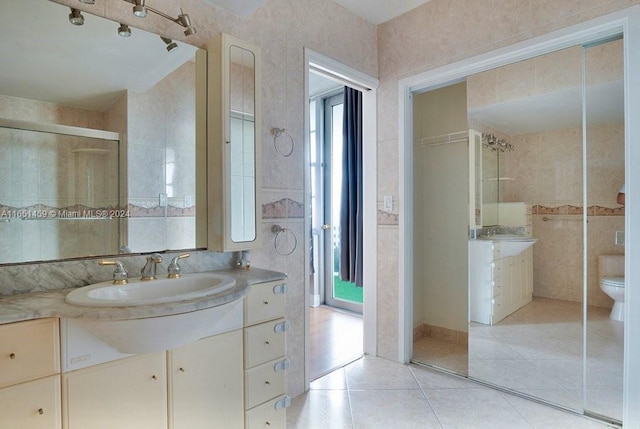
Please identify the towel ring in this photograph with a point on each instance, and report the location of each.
(281, 232)
(277, 132)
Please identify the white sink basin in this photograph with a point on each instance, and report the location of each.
(161, 291)
(511, 244)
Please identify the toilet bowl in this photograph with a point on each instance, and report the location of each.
(614, 287)
(611, 275)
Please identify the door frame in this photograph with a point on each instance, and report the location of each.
(368, 85)
(625, 22)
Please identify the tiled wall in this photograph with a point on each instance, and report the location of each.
(161, 158)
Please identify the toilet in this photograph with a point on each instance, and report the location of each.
(611, 275)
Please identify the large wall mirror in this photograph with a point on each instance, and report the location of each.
(99, 138)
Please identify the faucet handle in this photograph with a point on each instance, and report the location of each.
(174, 268)
(148, 272)
(120, 275)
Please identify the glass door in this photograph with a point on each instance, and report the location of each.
(337, 293)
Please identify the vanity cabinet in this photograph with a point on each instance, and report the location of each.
(265, 364)
(233, 147)
(205, 383)
(30, 375)
(129, 393)
(498, 286)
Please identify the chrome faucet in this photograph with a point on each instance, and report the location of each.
(120, 275)
(174, 268)
(148, 272)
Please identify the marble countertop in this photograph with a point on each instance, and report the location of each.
(29, 306)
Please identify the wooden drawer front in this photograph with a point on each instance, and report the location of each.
(32, 405)
(265, 382)
(270, 415)
(265, 302)
(29, 350)
(264, 342)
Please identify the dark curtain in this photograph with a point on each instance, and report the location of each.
(351, 204)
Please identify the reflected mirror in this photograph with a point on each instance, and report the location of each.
(66, 190)
(242, 144)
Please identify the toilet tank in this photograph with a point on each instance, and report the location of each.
(610, 266)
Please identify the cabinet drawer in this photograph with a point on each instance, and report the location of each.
(271, 415)
(264, 342)
(265, 382)
(29, 350)
(264, 302)
(32, 405)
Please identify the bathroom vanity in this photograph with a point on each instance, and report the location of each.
(55, 374)
(499, 282)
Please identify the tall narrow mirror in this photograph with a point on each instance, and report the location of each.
(242, 144)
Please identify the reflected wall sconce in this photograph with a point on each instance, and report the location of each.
(496, 144)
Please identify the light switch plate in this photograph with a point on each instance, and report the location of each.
(388, 202)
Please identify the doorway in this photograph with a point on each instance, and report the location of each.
(336, 311)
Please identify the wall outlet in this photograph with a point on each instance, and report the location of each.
(619, 238)
(388, 203)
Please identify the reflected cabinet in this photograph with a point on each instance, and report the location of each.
(233, 155)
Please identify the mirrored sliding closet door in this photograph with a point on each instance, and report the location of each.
(528, 159)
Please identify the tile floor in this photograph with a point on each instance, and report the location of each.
(373, 393)
(538, 351)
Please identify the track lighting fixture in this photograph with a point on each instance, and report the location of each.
(139, 9)
(124, 30)
(75, 17)
(171, 45)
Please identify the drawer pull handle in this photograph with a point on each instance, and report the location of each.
(281, 327)
(267, 383)
(283, 365)
(267, 342)
(282, 403)
(153, 377)
(267, 423)
(266, 303)
(12, 356)
(280, 289)
(181, 369)
(40, 411)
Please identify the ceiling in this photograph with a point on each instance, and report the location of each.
(374, 11)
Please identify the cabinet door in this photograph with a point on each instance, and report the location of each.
(32, 405)
(206, 383)
(129, 393)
